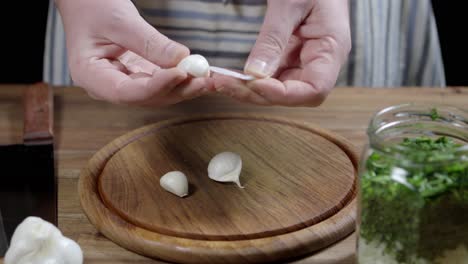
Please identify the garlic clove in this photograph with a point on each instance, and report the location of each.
(175, 182)
(195, 65)
(225, 167)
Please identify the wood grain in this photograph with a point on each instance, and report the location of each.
(83, 126)
(38, 114)
(296, 176)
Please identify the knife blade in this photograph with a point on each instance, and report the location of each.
(29, 184)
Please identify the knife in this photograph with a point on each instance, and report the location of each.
(29, 183)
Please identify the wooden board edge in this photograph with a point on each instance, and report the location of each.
(169, 248)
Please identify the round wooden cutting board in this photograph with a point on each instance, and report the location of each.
(299, 195)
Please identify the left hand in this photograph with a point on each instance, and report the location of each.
(116, 56)
(302, 45)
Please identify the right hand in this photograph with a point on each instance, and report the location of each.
(302, 45)
(116, 56)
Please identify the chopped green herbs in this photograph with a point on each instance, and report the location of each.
(434, 114)
(432, 168)
(416, 203)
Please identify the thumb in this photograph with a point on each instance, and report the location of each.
(277, 28)
(143, 39)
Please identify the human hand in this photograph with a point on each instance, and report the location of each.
(302, 46)
(115, 55)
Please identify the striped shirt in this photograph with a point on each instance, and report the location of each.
(395, 42)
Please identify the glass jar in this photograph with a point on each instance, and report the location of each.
(413, 187)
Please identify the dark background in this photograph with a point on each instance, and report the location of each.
(452, 23)
(23, 25)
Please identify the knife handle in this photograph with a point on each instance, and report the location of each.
(38, 114)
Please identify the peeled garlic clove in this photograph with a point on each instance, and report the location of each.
(175, 182)
(195, 65)
(225, 167)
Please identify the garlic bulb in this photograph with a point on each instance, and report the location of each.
(175, 182)
(195, 65)
(225, 167)
(40, 242)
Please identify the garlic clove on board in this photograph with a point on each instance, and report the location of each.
(175, 182)
(225, 167)
(195, 65)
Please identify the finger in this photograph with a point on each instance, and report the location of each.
(237, 89)
(279, 24)
(137, 75)
(306, 86)
(189, 89)
(104, 81)
(98, 76)
(137, 64)
(289, 93)
(322, 63)
(161, 83)
(291, 55)
(135, 34)
(329, 23)
(290, 74)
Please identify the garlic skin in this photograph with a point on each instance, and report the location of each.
(195, 65)
(225, 167)
(241, 76)
(175, 182)
(36, 241)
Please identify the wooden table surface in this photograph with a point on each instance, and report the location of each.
(82, 126)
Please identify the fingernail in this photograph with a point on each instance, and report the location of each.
(259, 68)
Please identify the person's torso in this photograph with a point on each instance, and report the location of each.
(222, 32)
(395, 42)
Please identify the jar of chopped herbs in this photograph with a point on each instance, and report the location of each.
(413, 187)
